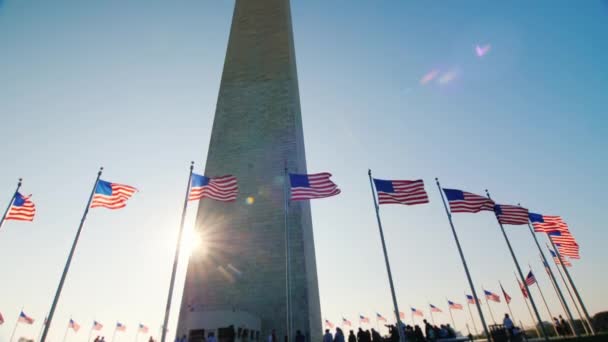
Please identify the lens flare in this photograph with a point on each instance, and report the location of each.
(429, 76)
(250, 200)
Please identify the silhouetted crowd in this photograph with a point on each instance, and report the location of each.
(412, 334)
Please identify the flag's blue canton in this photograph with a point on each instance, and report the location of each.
(299, 181)
(384, 185)
(199, 180)
(103, 188)
(536, 218)
(453, 195)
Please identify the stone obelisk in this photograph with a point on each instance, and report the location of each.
(238, 274)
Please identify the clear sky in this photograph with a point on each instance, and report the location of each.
(132, 86)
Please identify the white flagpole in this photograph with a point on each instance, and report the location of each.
(546, 305)
(14, 329)
(10, 203)
(521, 275)
(527, 305)
(69, 261)
(464, 264)
(176, 258)
(41, 329)
(472, 319)
(388, 266)
(114, 334)
(488, 304)
(287, 253)
(65, 335)
(136, 335)
(90, 334)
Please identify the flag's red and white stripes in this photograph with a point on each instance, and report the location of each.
(550, 223)
(454, 306)
(143, 329)
(530, 279)
(22, 209)
(317, 185)
(401, 192)
(97, 326)
(569, 251)
(74, 326)
(434, 308)
(511, 214)
(466, 202)
(224, 188)
(116, 199)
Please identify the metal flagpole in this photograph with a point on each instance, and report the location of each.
(114, 334)
(451, 316)
(15, 328)
(472, 319)
(287, 255)
(464, 264)
(69, 261)
(388, 266)
(583, 321)
(546, 305)
(521, 275)
(65, 335)
(41, 329)
(527, 306)
(490, 309)
(432, 317)
(11, 202)
(507, 302)
(90, 334)
(136, 334)
(176, 257)
(578, 296)
(570, 323)
(552, 276)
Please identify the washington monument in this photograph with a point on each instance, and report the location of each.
(238, 275)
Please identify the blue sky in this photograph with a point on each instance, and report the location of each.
(132, 86)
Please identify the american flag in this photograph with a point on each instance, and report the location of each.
(492, 296)
(317, 185)
(329, 324)
(565, 261)
(142, 329)
(569, 251)
(401, 192)
(530, 279)
(546, 223)
(22, 209)
(120, 327)
(471, 300)
(97, 326)
(524, 292)
(111, 195)
(346, 322)
(511, 214)
(466, 202)
(23, 318)
(73, 325)
(380, 318)
(454, 306)
(363, 319)
(506, 295)
(434, 308)
(416, 312)
(563, 238)
(224, 188)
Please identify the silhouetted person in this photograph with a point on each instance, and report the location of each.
(360, 335)
(351, 337)
(508, 323)
(339, 337)
(418, 334)
(150, 339)
(368, 336)
(300, 337)
(376, 336)
(211, 337)
(565, 326)
(451, 331)
(273, 336)
(429, 331)
(327, 337)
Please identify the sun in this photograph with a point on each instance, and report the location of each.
(192, 242)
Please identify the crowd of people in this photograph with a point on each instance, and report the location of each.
(415, 334)
(563, 329)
